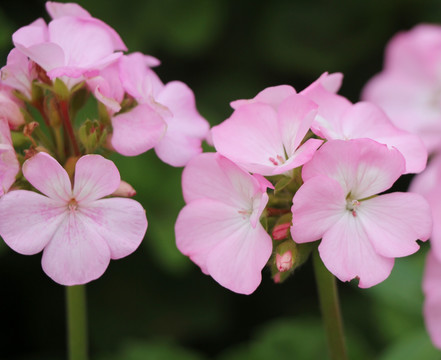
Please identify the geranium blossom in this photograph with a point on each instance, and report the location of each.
(9, 165)
(432, 301)
(361, 233)
(409, 86)
(219, 228)
(267, 138)
(78, 231)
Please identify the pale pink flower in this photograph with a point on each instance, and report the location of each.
(338, 118)
(361, 232)
(166, 117)
(18, 73)
(219, 228)
(10, 108)
(71, 47)
(432, 301)
(9, 165)
(409, 86)
(79, 231)
(265, 137)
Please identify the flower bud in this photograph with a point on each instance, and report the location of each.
(280, 231)
(284, 262)
(124, 190)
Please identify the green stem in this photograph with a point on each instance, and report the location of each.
(330, 308)
(76, 322)
(64, 105)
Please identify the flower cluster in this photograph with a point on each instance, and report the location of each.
(408, 89)
(57, 189)
(302, 167)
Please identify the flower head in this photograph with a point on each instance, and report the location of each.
(78, 231)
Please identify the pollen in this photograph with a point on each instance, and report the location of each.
(72, 205)
(352, 206)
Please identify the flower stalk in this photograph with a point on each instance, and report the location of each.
(330, 308)
(76, 322)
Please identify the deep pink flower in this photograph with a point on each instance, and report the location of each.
(432, 301)
(265, 137)
(73, 46)
(219, 228)
(361, 232)
(338, 118)
(79, 231)
(408, 88)
(9, 165)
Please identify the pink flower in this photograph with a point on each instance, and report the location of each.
(338, 118)
(361, 232)
(265, 137)
(9, 165)
(79, 231)
(219, 228)
(10, 108)
(18, 73)
(409, 86)
(432, 302)
(166, 117)
(72, 46)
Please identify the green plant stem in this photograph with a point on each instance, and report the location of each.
(64, 105)
(76, 322)
(330, 308)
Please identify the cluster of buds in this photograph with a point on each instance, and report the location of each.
(55, 180)
(302, 167)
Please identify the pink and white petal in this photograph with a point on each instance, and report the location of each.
(212, 176)
(77, 253)
(393, 222)
(201, 225)
(330, 82)
(32, 34)
(300, 157)
(137, 131)
(121, 222)
(347, 253)
(296, 114)
(48, 55)
(29, 220)
(251, 138)
(176, 148)
(432, 302)
(95, 177)
(273, 96)
(432, 319)
(237, 262)
(48, 176)
(56, 10)
(318, 204)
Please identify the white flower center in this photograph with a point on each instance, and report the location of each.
(352, 205)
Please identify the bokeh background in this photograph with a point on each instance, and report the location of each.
(155, 304)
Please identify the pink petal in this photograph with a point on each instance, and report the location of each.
(32, 34)
(29, 220)
(347, 253)
(393, 222)
(362, 166)
(95, 177)
(317, 206)
(251, 138)
(212, 176)
(48, 176)
(16, 73)
(122, 223)
(330, 82)
(137, 131)
(272, 96)
(56, 10)
(47, 55)
(77, 253)
(432, 302)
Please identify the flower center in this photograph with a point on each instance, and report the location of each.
(352, 206)
(279, 160)
(72, 204)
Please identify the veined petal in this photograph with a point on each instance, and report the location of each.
(137, 131)
(347, 253)
(317, 206)
(121, 222)
(48, 176)
(29, 220)
(77, 253)
(237, 262)
(95, 177)
(251, 138)
(393, 222)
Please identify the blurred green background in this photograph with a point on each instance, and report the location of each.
(155, 304)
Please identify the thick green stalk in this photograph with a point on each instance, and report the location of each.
(330, 308)
(76, 322)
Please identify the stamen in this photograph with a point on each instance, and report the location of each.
(72, 205)
(273, 161)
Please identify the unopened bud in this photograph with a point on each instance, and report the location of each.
(280, 232)
(124, 190)
(284, 262)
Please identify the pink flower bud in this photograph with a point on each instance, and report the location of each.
(124, 190)
(284, 262)
(280, 231)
